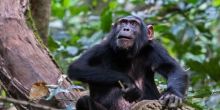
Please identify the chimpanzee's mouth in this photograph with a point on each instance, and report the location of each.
(124, 37)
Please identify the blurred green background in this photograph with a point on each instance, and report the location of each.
(188, 29)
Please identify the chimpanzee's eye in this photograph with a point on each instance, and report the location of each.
(123, 21)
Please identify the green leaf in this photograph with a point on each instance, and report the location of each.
(57, 10)
(74, 10)
(136, 1)
(52, 45)
(216, 2)
(66, 3)
(160, 27)
(106, 20)
(192, 1)
(122, 12)
(205, 91)
(113, 5)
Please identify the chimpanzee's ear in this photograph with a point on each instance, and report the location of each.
(150, 32)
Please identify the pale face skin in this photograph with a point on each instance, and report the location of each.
(128, 31)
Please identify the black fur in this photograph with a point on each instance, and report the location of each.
(104, 65)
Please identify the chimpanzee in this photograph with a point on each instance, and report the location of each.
(120, 70)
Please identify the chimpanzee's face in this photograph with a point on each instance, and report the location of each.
(128, 29)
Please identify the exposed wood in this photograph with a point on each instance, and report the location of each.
(154, 105)
(23, 61)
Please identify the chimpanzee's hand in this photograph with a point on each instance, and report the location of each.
(170, 100)
(131, 92)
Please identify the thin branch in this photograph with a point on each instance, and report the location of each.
(26, 103)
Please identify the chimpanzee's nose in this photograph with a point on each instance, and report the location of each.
(126, 29)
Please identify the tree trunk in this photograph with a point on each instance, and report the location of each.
(40, 10)
(23, 60)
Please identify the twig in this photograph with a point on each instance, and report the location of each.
(44, 107)
(122, 86)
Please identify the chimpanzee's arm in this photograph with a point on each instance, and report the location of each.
(88, 68)
(171, 70)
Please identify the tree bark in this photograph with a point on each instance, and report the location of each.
(40, 10)
(23, 60)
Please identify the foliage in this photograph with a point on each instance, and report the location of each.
(189, 29)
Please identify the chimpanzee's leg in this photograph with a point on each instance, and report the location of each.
(87, 103)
